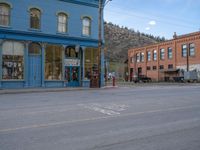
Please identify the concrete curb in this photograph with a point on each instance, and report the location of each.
(45, 90)
(38, 90)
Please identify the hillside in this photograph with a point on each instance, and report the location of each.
(119, 39)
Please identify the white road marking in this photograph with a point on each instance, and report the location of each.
(108, 109)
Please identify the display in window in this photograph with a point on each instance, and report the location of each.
(12, 67)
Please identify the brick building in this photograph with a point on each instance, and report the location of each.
(166, 60)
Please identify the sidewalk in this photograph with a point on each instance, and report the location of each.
(40, 90)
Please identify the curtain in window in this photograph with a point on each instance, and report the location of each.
(4, 14)
(86, 26)
(35, 16)
(53, 63)
(62, 23)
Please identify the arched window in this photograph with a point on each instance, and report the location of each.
(4, 14)
(62, 22)
(35, 18)
(34, 49)
(86, 26)
(13, 60)
(71, 52)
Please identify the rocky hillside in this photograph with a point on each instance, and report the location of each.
(119, 39)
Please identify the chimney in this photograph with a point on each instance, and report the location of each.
(174, 36)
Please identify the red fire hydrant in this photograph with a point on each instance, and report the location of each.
(114, 81)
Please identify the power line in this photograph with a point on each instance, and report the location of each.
(116, 13)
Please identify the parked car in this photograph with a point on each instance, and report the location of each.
(142, 78)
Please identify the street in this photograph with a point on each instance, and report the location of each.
(124, 118)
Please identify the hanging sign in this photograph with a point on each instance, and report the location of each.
(72, 62)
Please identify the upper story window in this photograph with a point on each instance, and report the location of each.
(4, 14)
(138, 57)
(149, 56)
(170, 66)
(132, 59)
(142, 57)
(154, 55)
(169, 53)
(162, 54)
(62, 22)
(192, 49)
(86, 26)
(35, 18)
(184, 50)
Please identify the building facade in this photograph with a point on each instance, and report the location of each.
(167, 60)
(51, 43)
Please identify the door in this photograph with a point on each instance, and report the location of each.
(72, 76)
(35, 66)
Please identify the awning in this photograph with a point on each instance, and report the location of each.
(169, 70)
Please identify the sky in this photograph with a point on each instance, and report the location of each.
(157, 17)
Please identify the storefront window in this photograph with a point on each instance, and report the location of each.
(13, 60)
(34, 49)
(53, 63)
(91, 62)
(70, 52)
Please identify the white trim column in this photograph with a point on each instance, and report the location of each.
(43, 45)
(26, 67)
(63, 65)
(83, 62)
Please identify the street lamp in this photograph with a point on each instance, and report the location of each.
(101, 6)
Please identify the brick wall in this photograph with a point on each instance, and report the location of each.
(167, 68)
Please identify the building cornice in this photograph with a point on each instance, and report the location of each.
(179, 39)
(5, 34)
(93, 3)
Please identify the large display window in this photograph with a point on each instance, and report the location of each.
(91, 62)
(53, 62)
(13, 60)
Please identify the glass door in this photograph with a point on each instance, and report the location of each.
(72, 76)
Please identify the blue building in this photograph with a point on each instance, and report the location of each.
(51, 43)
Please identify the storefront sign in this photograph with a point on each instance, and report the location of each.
(72, 62)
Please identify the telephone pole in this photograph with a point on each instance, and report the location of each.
(102, 4)
(100, 39)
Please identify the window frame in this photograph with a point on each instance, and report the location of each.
(89, 28)
(61, 23)
(170, 66)
(169, 53)
(148, 55)
(190, 48)
(155, 55)
(184, 50)
(161, 67)
(52, 62)
(162, 54)
(17, 63)
(138, 57)
(8, 15)
(40, 19)
(142, 57)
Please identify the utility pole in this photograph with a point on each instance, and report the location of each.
(100, 39)
(187, 57)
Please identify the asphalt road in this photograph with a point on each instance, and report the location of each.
(137, 118)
